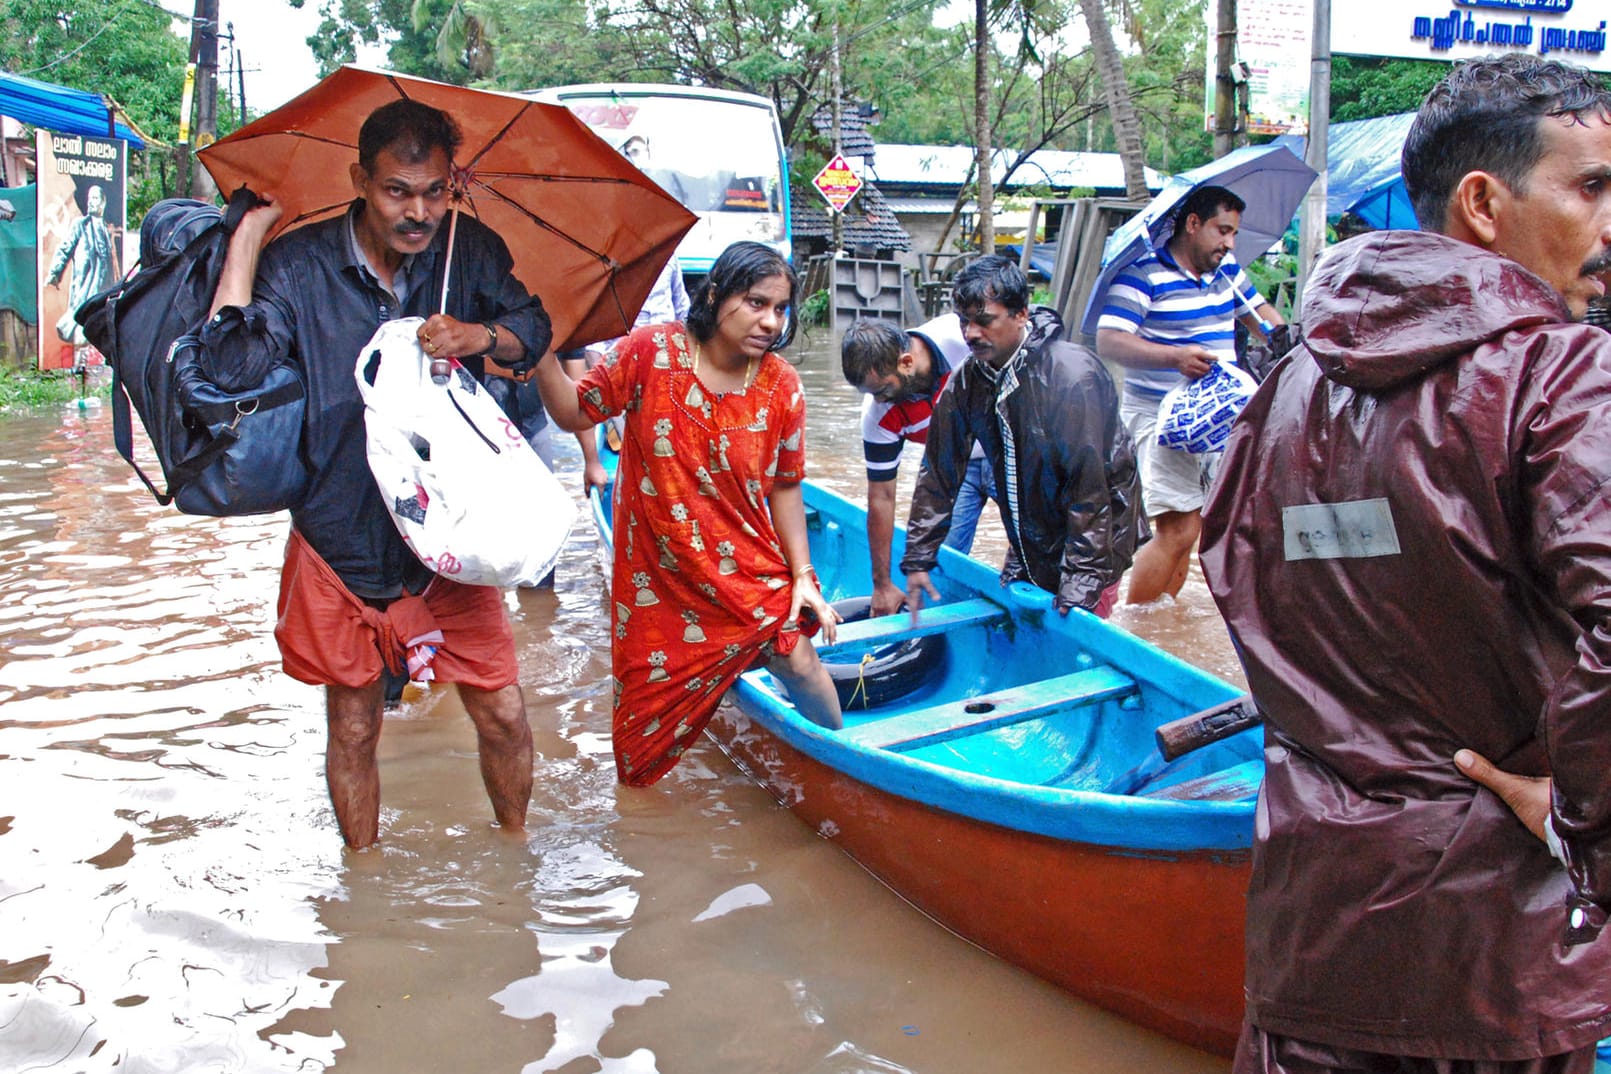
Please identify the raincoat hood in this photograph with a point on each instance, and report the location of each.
(1386, 307)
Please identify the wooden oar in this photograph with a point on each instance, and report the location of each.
(1179, 737)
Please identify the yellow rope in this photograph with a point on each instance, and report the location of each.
(861, 684)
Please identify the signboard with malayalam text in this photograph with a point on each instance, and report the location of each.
(1272, 38)
(1573, 31)
(837, 183)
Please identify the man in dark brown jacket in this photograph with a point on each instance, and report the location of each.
(1047, 413)
(1411, 542)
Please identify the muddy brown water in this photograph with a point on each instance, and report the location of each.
(174, 895)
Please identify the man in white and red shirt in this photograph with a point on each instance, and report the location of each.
(903, 374)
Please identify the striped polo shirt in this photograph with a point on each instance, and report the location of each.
(886, 427)
(1163, 303)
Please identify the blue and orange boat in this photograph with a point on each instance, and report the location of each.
(1000, 769)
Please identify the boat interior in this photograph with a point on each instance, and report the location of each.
(1014, 694)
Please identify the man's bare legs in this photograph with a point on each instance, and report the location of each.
(353, 714)
(1161, 564)
(504, 739)
(353, 776)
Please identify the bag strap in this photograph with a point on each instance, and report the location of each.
(243, 201)
(229, 413)
(122, 426)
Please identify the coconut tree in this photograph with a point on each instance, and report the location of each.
(1116, 88)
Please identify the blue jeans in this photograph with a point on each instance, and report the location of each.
(978, 487)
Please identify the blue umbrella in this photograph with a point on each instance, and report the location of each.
(1271, 179)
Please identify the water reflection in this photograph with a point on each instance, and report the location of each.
(174, 896)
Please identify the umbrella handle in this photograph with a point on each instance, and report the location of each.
(447, 261)
(1265, 326)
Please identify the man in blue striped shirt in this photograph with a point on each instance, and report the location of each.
(1168, 318)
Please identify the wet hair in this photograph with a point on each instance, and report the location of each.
(1487, 115)
(1205, 203)
(992, 278)
(737, 269)
(870, 346)
(408, 129)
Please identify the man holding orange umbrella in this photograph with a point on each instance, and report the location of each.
(354, 600)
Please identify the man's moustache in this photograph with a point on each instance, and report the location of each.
(415, 229)
(1598, 265)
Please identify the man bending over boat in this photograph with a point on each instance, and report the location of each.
(1411, 542)
(1047, 413)
(902, 375)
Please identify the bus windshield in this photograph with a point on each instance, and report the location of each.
(720, 155)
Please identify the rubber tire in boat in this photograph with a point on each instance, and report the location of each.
(894, 671)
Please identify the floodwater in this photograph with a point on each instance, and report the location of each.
(174, 895)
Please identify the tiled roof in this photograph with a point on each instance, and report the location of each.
(869, 220)
(853, 122)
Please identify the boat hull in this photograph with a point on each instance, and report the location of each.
(1153, 937)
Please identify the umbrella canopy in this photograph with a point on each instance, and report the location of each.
(589, 232)
(1269, 178)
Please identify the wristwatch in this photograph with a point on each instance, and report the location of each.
(492, 338)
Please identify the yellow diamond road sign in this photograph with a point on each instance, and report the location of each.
(837, 183)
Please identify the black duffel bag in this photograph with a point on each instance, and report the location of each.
(221, 452)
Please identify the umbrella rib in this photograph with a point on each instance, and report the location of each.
(544, 224)
(548, 177)
(496, 138)
(234, 140)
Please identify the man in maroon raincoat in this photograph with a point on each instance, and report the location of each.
(1411, 542)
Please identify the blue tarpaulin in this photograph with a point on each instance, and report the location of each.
(61, 109)
(1362, 169)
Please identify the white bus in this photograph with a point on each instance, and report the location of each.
(718, 152)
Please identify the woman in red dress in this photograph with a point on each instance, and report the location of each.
(712, 566)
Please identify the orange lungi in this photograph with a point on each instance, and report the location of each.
(330, 636)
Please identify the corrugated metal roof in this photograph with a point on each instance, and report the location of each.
(939, 206)
(948, 166)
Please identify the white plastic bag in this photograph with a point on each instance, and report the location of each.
(467, 492)
(1197, 415)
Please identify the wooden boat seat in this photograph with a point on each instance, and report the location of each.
(1234, 784)
(939, 619)
(987, 712)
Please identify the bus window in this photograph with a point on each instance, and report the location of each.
(718, 153)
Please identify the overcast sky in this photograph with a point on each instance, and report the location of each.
(271, 37)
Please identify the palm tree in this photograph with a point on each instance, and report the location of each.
(981, 126)
(464, 38)
(1116, 87)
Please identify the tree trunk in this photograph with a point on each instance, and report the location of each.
(1225, 88)
(981, 126)
(1126, 124)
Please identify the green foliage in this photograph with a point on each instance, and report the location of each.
(132, 52)
(1365, 88)
(814, 310)
(23, 389)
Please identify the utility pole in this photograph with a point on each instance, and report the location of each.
(1225, 87)
(1312, 222)
(837, 215)
(203, 75)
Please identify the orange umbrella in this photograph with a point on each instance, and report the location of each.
(589, 232)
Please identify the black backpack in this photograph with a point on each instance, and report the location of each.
(221, 452)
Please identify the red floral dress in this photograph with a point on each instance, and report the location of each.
(701, 587)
